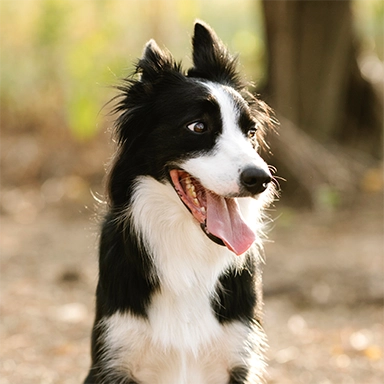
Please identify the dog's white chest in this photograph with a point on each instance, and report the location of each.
(185, 321)
(175, 345)
(180, 341)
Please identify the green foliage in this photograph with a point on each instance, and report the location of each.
(369, 19)
(59, 57)
(50, 26)
(327, 199)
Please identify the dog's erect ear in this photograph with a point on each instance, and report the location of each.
(154, 61)
(211, 59)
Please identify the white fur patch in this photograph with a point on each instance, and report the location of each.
(131, 348)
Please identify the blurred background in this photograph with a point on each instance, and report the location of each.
(319, 65)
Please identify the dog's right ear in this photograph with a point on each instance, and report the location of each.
(154, 61)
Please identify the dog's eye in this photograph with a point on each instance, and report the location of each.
(197, 126)
(252, 133)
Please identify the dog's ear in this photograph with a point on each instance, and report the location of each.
(154, 61)
(211, 59)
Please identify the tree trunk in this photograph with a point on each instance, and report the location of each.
(314, 80)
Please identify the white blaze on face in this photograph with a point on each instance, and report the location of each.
(219, 170)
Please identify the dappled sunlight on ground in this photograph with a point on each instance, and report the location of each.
(323, 295)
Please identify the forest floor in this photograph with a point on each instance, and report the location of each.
(323, 284)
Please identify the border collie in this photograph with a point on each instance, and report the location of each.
(179, 292)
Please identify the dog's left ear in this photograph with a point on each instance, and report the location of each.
(211, 59)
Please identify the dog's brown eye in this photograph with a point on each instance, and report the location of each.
(252, 133)
(197, 126)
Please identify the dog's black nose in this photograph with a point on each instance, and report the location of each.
(255, 180)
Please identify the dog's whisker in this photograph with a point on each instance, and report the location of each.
(275, 181)
(272, 168)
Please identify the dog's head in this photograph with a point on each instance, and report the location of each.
(199, 131)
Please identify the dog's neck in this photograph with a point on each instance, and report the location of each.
(183, 256)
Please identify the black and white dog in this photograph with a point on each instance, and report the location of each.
(179, 292)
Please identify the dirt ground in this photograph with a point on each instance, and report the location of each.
(323, 293)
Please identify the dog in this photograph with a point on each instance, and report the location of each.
(179, 295)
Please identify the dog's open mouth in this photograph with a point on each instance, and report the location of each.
(219, 217)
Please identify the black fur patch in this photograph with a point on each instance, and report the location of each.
(236, 294)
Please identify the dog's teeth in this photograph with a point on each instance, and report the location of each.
(202, 210)
(190, 188)
(191, 191)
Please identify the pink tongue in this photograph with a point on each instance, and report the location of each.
(224, 220)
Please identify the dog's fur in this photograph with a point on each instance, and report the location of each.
(179, 293)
